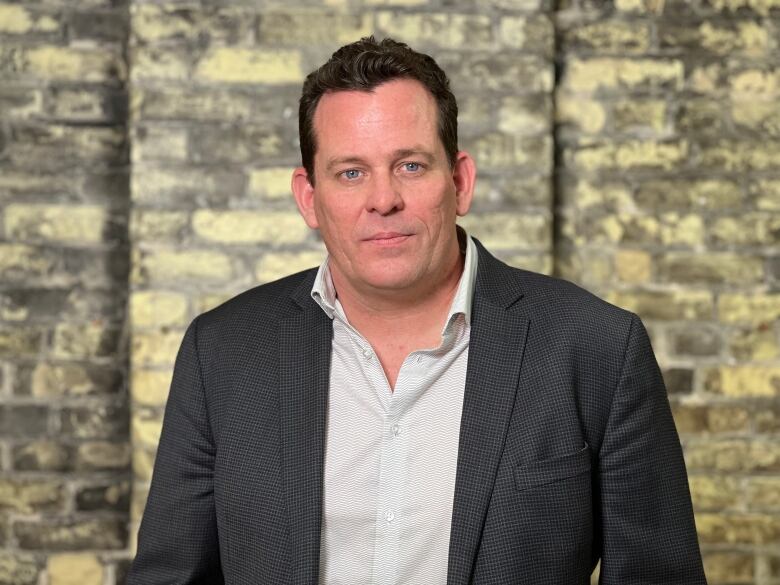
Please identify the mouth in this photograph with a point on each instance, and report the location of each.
(387, 238)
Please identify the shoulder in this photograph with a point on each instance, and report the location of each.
(257, 309)
(554, 305)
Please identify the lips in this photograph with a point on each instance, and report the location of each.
(387, 238)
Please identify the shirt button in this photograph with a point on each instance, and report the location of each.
(367, 353)
(396, 430)
(389, 516)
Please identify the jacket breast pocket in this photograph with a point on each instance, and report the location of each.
(546, 471)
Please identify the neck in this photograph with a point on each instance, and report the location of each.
(422, 309)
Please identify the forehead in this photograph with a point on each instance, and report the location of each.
(391, 114)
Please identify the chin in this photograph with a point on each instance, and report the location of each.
(391, 280)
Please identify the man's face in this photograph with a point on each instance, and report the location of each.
(385, 199)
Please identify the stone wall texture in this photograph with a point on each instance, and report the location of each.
(632, 146)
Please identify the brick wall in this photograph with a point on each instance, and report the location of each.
(631, 146)
(64, 450)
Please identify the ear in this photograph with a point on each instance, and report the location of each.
(464, 174)
(304, 197)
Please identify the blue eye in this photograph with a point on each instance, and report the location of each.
(412, 167)
(351, 174)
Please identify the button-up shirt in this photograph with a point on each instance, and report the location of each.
(391, 454)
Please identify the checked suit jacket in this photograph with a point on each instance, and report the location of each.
(567, 452)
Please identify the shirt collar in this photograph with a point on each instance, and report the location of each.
(324, 293)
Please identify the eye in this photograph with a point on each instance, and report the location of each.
(412, 167)
(351, 174)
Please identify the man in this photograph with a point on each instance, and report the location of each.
(414, 411)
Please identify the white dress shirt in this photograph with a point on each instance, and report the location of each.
(390, 455)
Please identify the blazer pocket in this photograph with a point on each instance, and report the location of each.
(547, 471)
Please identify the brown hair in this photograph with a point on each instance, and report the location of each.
(364, 65)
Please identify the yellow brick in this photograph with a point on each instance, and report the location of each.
(70, 64)
(706, 79)
(23, 258)
(614, 196)
(150, 224)
(271, 183)
(152, 23)
(60, 223)
(82, 340)
(611, 36)
(685, 230)
(398, 3)
(298, 27)
(143, 463)
(50, 380)
(763, 493)
(757, 115)
(159, 63)
(712, 268)
(746, 230)
(28, 497)
(666, 305)
(518, 116)
(714, 492)
(239, 65)
(146, 431)
(17, 20)
(750, 38)
(731, 155)
(138, 502)
(175, 101)
(640, 114)
(273, 266)
(742, 308)
(155, 308)
(208, 301)
(103, 455)
(650, 6)
(588, 75)
(445, 30)
(159, 142)
(632, 154)
(150, 387)
(755, 83)
(738, 528)
(154, 348)
(74, 569)
(191, 265)
(504, 230)
(633, 266)
(542, 263)
(588, 115)
(728, 567)
(718, 455)
(758, 344)
(529, 33)
(763, 7)
(767, 193)
(744, 380)
(249, 227)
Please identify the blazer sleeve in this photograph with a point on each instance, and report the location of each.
(647, 524)
(177, 540)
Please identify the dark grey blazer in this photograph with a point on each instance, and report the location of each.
(567, 454)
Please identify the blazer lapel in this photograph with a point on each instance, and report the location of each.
(496, 345)
(304, 374)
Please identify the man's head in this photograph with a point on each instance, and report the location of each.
(364, 65)
(387, 190)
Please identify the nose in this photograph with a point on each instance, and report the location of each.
(384, 195)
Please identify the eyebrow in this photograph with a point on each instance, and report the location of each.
(400, 153)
